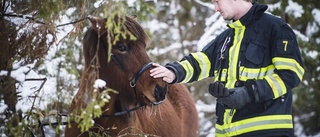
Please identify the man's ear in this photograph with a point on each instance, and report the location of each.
(97, 24)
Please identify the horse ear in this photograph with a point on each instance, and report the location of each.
(134, 17)
(97, 24)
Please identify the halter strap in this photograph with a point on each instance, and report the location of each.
(134, 80)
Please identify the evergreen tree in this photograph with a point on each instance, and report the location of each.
(29, 30)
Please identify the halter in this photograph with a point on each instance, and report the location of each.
(133, 81)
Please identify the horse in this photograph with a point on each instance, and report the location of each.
(142, 105)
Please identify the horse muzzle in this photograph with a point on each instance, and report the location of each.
(160, 93)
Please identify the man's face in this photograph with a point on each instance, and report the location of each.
(225, 7)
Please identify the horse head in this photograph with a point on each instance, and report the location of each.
(123, 63)
(128, 65)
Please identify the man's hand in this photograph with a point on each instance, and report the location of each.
(162, 72)
(237, 97)
(218, 90)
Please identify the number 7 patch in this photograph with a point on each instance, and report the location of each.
(285, 42)
(283, 46)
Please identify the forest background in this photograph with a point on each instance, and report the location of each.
(41, 57)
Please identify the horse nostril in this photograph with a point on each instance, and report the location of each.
(160, 92)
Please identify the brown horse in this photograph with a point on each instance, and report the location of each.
(167, 110)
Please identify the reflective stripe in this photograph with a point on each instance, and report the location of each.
(277, 85)
(288, 64)
(228, 115)
(275, 82)
(204, 64)
(255, 124)
(189, 70)
(223, 75)
(234, 53)
(255, 73)
(233, 65)
(248, 73)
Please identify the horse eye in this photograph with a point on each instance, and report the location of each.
(122, 47)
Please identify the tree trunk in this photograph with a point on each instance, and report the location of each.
(7, 83)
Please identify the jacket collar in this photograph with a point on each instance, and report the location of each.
(254, 13)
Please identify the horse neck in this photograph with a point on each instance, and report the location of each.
(121, 102)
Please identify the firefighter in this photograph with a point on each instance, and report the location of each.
(255, 63)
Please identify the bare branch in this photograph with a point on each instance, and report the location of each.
(34, 100)
(73, 22)
(23, 16)
(38, 21)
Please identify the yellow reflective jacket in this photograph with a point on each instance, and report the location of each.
(258, 46)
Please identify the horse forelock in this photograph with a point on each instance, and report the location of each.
(136, 29)
(91, 35)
